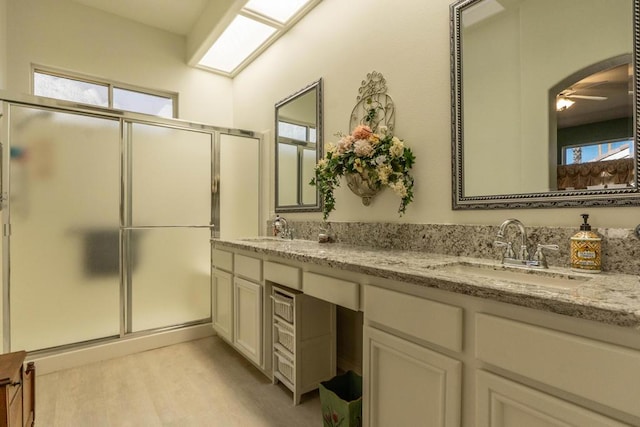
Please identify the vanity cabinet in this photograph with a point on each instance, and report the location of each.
(436, 357)
(248, 300)
(222, 294)
(573, 365)
(237, 293)
(505, 403)
(404, 381)
(247, 309)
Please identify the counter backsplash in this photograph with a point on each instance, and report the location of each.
(620, 247)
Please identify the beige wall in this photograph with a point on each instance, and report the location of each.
(409, 43)
(67, 35)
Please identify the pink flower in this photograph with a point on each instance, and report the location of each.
(344, 144)
(363, 148)
(361, 132)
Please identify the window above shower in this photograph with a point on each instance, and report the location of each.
(103, 93)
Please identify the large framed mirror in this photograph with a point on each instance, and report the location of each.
(298, 142)
(544, 105)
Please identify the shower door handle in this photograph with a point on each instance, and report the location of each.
(149, 227)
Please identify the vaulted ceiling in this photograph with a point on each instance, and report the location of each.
(200, 21)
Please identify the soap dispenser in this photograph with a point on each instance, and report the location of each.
(586, 249)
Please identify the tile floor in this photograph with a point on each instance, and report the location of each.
(198, 383)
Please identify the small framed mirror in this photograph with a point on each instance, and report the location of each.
(298, 147)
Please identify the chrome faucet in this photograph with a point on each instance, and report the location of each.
(521, 259)
(281, 228)
(524, 252)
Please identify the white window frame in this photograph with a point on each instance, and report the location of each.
(109, 84)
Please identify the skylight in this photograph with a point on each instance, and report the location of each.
(258, 24)
(281, 10)
(239, 40)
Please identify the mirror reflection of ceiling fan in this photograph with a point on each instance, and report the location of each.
(573, 91)
(565, 99)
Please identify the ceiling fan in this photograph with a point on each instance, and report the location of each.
(571, 91)
(571, 94)
(565, 99)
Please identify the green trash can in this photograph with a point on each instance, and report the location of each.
(341, 400)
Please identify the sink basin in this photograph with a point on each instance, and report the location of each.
(516, 275)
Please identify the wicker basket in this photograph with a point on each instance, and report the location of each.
(284, 366)
(284, 336)
(283, 307)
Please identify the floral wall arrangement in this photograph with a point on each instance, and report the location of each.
(371, 157)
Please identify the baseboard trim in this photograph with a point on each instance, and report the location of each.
(123, 347)
(345, 365)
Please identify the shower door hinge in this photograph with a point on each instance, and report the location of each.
(6, 229)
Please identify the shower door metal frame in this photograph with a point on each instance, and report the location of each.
(125, 119)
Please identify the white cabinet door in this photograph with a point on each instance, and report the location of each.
(405, 384)
(247, 319)
(222, 304)
(504, 403)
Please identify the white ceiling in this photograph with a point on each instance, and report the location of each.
(176, 16)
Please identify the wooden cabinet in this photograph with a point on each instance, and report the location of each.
(222, 293)
(404, 382)
(586, 368)
(432, 357)
(237, 301)
(222, 304)
(247, 319)
(505, 403)
(17, 390)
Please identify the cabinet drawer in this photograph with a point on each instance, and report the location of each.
(501, 399)
(431, 321)
(248, 267)
(336, 291)
(223, 259)
(595, 370)
(282, 274)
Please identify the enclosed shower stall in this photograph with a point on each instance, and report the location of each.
(107, 220)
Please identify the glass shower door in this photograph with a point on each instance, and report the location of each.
(64, 216)
(167, 226)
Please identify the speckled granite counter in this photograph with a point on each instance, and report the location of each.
(607, 298)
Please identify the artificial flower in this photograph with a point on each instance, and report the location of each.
(379, 157)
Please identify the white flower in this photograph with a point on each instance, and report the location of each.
(399, 188)
(397, 147)
(383, 173)
(321, 163)
(330, 148)
(363, 148)
(381, 159)
(383, 130)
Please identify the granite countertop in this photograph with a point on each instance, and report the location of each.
(604, 297)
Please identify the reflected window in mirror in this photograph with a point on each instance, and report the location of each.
(509, 133)
(298, 149)
(591, 118)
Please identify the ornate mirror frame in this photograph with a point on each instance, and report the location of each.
(557, 198)
(300, 181)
